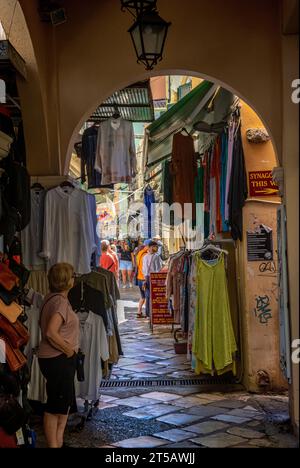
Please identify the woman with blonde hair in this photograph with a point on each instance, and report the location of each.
(57, 352)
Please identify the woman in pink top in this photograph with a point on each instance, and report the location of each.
(57, 352)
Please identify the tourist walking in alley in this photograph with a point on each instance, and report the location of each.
(126, 265)
(152, 263)
(140, 276)
(108, 261)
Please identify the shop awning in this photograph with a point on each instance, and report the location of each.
(188, 112)
(134, 103)
(158, 138)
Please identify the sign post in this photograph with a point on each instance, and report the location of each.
(261, 184)
(160, 314)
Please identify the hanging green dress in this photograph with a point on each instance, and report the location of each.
(214, 343)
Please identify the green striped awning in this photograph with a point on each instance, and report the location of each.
(159, 135)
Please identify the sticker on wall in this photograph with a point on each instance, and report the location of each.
(261, 184)
(260, 244)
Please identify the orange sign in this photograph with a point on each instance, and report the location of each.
(159, 304)
(262, 184)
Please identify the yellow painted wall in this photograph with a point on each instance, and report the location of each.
(238, 44)
(85, 60)
(261, 340)
(290, 50)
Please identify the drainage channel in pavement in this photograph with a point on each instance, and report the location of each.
(165, 383)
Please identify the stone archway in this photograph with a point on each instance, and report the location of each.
(33, 99)
(88, 112)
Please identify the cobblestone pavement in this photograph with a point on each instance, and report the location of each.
(175, 417)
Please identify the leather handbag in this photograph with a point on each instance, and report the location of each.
(12, 415)
(16, 333)
(5, 144)
(7, 278)
(20, 271)
(22, 332)
(8, 297)
(15, 359)
(10, 312)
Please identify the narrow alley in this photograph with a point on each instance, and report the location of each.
(189, 416)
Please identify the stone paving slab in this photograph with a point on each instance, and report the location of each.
(231, 419)
(135, 402)
(242, 413)
(141, 442)
(183, 445)
(230, 404)
(102, 405)
(179, 374)
(211, 396)
(187, 402)
(221, 440)
(127, 362)
(246, 433)
(254, 424)
(161, 396)
(205, 411)
(284, 440)
(174, 435)
(158, 371)
(178, 419)
(107, 398)
(140, 367)
(202, 401)
(263, 443)
(144, 375)
(151, 412)
(206, 427)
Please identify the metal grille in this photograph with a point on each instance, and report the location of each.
(166, 383)
(133, 103)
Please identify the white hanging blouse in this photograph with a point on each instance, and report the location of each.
(68, 229)
(94, 345)
(116, 152)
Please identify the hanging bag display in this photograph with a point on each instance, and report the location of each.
(8, 280)
(12, 415)
(10, 312)
(16, 333)
(20, 271)
(15, 359)
(5, 145)
(22, 274)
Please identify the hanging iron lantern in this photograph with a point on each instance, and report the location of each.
(149, 34)
(138, 7)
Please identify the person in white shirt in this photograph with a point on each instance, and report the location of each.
(160, 246)
(152, 263)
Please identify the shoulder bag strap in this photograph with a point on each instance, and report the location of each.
(48, 300)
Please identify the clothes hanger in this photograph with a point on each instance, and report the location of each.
(66, 183)
(37, 186)
(116, 114)
(185, 130)
(214, 248)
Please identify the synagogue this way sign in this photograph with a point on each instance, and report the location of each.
(160, 313)
(261, 184)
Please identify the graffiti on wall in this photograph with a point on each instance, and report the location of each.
(268, 267)
(263, 309)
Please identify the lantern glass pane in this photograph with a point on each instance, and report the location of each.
(136, 37)
(153, 36)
